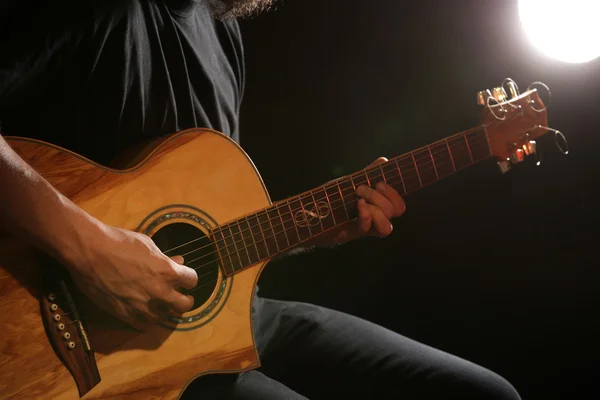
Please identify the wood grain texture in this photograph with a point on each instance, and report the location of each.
(197, 167)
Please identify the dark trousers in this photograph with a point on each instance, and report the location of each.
(310, 352)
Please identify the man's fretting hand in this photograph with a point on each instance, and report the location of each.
(376, 207)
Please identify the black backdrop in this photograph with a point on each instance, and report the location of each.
(497, 269)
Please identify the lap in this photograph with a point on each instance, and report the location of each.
(321, 353)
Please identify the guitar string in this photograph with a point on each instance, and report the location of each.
(200, 284)
(273, 226)
(475, 146)
(348, 178)
(239, 251)
(395, 179)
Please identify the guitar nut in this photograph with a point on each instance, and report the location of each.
(56, 317)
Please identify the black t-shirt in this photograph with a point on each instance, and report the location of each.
(100, 76)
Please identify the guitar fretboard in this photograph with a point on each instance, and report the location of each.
(286, 224)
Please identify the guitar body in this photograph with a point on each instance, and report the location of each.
(194, 180)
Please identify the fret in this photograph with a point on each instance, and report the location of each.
(331, 207)
(340, 199)
(224, 255)
(281, 239)
(425, 167)
(312, 216)
(409, 173)
(450, 153)
(383, 172)
(475, 141)
(487, 141)
(337, 205)
(287, 239)
(316, 210)
(290, 225)
(468, 147)
(437, 176)
(273, 231)
(268, 233)
(348, 193)
(259, 237)
(352, 181)
(403, 191)
(374, 175)
(391, 175)
(298, 218)
(302, 218)
(442, 159)
(240, 244)
(363, 174)
(459, 151)
(324, 209)
(231, 246)
(249, 241)
(416, 168)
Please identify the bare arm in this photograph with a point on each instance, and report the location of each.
(32, 209)
(123, 272)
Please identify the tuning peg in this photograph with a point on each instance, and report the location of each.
(499, 94)
(530, 147)
(517, 156)
(512, 88)
(504, 166)
(482, 97)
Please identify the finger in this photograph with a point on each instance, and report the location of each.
(159, 308)
(364, 216)
(178, 259)
(179, 302)
(186, 277)
(380, 160)
(393, 196)
(141, 322)
(381, 223)
(377, 199)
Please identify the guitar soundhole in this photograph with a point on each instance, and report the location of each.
(182, 239)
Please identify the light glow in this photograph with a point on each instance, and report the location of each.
(568, 31)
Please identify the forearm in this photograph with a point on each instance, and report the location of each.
(31, 209)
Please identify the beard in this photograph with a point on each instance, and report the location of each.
(231, 9)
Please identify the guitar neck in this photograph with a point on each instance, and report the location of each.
(290, 222)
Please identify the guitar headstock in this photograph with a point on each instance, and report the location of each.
(513, 121)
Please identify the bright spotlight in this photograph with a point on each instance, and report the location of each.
(568, 31)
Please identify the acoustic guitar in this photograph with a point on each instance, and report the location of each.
(55, 344)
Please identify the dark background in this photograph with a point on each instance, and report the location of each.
(501, 270)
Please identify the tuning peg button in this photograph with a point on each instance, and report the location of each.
(499, 94)
(504, 166)
(530, 147)
(482, 97)
(517, 156)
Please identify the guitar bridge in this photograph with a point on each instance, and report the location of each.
(67, 334)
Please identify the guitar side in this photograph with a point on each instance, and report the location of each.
(197, 178)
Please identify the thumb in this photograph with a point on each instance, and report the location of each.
(380, 160)
(178, 259)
